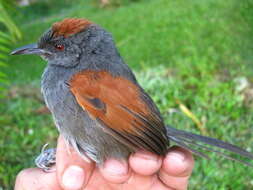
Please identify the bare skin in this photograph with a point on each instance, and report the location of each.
(143, 171)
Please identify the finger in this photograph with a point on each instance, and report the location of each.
(176, 168)
(73, 171)
(145, 163)
(115, 171)
(36, 179)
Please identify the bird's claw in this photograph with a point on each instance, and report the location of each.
(46, 160)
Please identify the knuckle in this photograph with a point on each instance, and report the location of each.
(21, 175)
(21, 178)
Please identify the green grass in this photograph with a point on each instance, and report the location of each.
(188, 51)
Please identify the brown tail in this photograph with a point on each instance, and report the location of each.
(191, 142)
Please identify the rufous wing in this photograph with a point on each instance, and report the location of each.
(122, 108)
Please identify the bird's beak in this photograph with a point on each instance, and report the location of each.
(30, 49)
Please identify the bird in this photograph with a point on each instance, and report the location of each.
(97, 104)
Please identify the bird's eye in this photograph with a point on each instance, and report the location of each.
(59, 47)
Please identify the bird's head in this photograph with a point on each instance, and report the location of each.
(67, 41)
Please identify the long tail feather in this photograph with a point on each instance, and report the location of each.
(180, 140)
(182, 144)
(185, 139)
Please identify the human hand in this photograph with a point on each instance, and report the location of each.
(143, 170)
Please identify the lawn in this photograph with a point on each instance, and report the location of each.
(195, 52)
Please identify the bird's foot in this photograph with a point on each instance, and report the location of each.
(46, 160)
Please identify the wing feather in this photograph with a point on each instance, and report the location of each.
(123, 109)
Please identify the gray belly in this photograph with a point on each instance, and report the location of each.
(83, 133)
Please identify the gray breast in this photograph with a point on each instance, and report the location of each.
(83, 133)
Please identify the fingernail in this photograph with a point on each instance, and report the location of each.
(146, 156)
(176, 155)
(73, 177)
(115, 167)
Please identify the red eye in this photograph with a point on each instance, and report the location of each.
(59, 47)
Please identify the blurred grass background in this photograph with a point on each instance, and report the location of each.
(197, 52)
